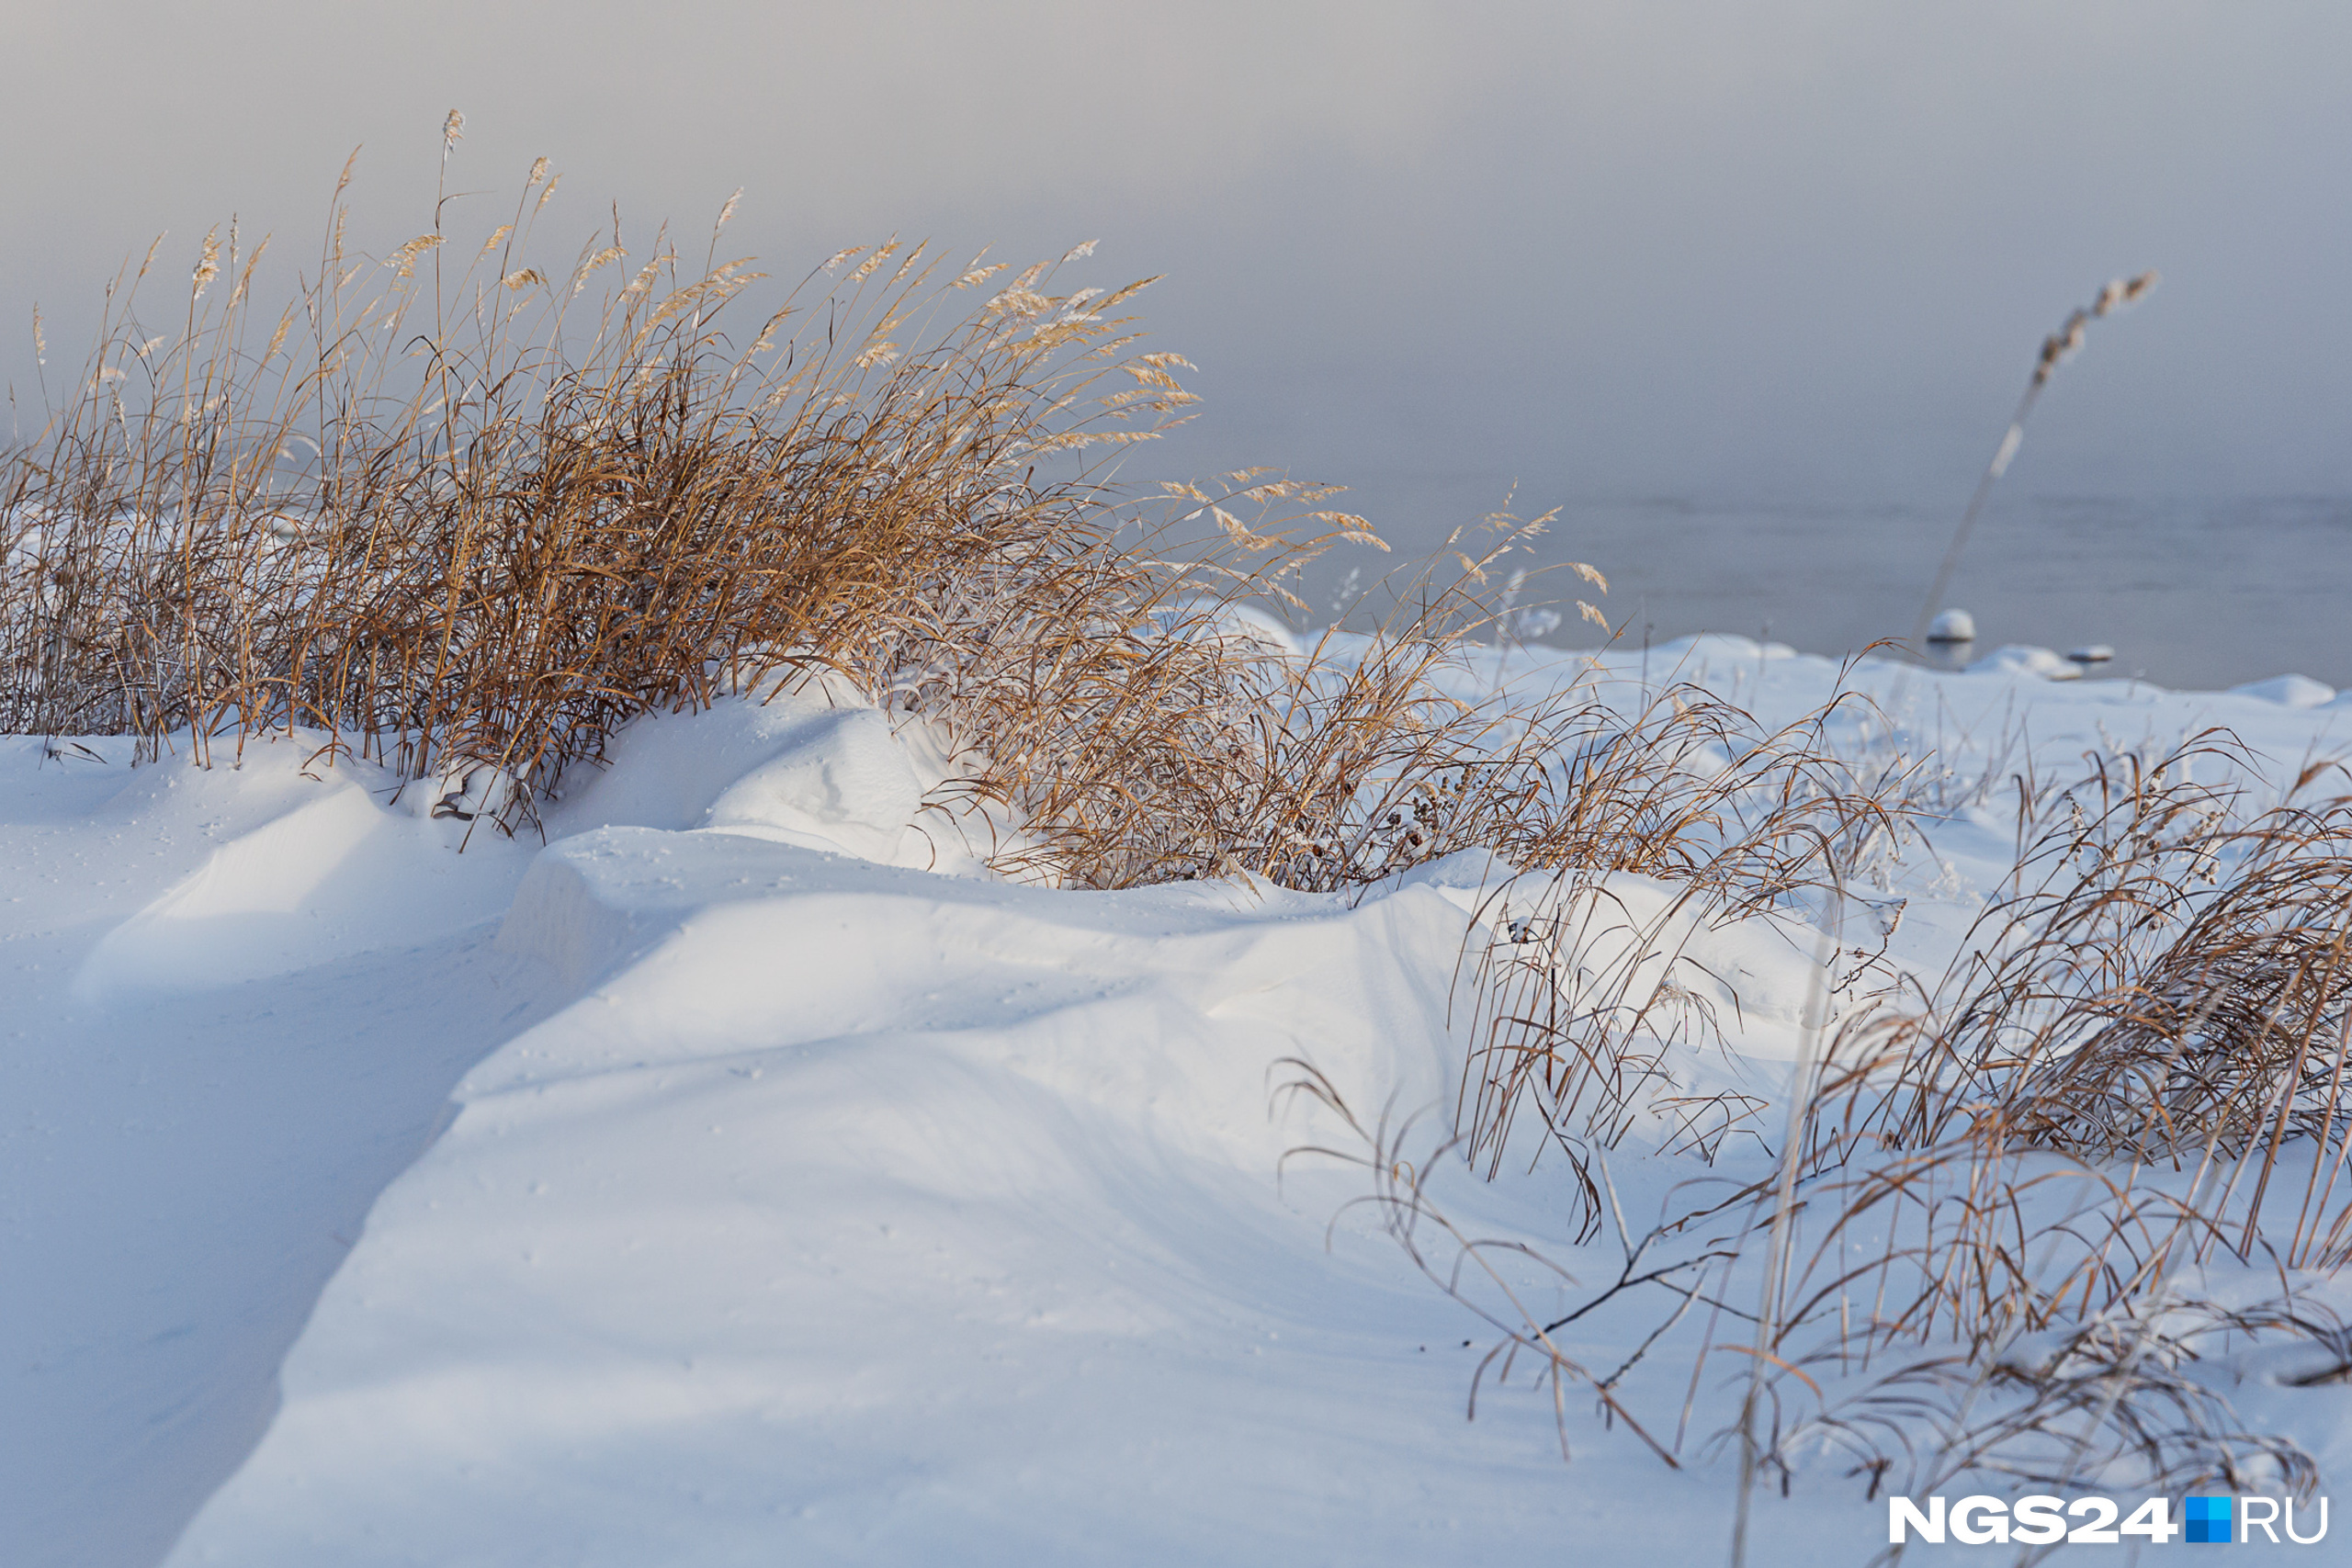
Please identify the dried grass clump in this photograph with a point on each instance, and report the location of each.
(1584, 985)
(2056, 349)
(472, 518)
(2165, 978)
(2015, 1214)
(466, 518)
(1358, 759)
(2037, 1164)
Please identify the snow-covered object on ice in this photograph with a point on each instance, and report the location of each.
(1952, 626)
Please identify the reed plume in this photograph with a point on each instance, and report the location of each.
(2056, 349)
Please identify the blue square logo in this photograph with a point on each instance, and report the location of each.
(2208, 1519)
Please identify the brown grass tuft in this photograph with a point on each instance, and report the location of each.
(2015, 1209)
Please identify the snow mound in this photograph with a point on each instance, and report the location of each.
(2289, 691)
(332, 875)
(811, 766)
(843, 785)
(888, 1217)
(1717, 647)
(791, 1204)
(2021, 658)
(329, 870)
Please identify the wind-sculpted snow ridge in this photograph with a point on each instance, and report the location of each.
(238, 999)
(869, 1217)
(856, 1212)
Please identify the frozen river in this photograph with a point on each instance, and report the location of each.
(2191, 593)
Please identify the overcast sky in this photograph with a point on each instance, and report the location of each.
(1723, 250)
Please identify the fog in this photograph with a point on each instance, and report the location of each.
(1716, 253)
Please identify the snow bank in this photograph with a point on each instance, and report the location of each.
(861, 1215)
(335, 876)
(794, 1202)
(2289, 691)
(2018, 659)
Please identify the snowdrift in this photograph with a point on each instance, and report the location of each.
(743, 1177)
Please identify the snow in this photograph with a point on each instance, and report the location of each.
(746, 1176)
(335, 874)
(2289, 691)
(1952, 626)
(181, 1167)
(2023, 660)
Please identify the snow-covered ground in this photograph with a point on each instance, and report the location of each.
(718, 1185)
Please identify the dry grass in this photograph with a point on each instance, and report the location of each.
(1580, 996)
(2135, 1071)
(2016, 1211)
(2056, 349)
(466, 518)
(469, 517)
(2164, 978)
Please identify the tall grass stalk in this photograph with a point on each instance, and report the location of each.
(2056, 349)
